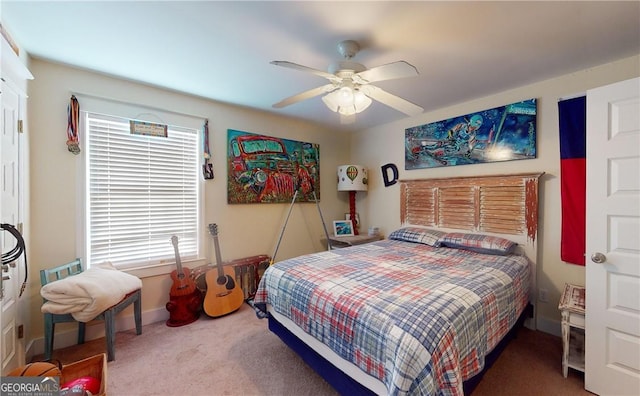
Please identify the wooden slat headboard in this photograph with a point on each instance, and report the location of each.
(506, 205)
(501, 204)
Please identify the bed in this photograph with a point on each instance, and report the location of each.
(421, 311)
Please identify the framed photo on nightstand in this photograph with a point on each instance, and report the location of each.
(342, 228)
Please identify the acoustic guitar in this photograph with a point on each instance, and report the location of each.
(223, 295)
(184, 298)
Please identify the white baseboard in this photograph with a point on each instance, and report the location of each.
(94, 330)
(541, 323)
(549, 326)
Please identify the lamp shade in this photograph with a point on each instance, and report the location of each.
(352, 178)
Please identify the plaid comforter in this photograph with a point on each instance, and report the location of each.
(418, 318)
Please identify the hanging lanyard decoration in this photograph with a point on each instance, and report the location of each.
(73, 113)
(207, 167)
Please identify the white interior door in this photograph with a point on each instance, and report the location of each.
(612, 332)
(12, 353)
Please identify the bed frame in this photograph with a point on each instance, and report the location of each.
(504, 205)
(346, 385)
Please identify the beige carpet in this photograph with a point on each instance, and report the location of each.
(237, 355)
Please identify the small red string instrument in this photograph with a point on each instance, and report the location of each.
(182, 282)
(185, 298)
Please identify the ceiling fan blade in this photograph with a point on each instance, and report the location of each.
(391, 100)
(298, 67)
(305, 95)
(390, 71)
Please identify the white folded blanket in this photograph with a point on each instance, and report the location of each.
(89, 293)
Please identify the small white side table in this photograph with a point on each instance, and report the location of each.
(572, 308)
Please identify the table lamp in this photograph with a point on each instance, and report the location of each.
(352, 178)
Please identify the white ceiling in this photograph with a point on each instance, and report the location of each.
(221, 50)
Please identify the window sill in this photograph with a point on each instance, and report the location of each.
(162, 269)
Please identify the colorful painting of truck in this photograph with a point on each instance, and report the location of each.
(265, 169)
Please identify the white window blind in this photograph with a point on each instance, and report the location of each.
(141, 190)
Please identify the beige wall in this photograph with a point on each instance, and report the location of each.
(244, 230)
(385, 144)
(254, 229)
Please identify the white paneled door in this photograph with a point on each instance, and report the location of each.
(12, 353)
(612, 365)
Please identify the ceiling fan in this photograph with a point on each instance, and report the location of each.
(349, 90)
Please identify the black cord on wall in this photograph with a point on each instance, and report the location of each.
(16, 252)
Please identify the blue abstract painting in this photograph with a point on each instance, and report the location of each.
(500, 134)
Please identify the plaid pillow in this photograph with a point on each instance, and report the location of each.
(424, 236)
(486, 244)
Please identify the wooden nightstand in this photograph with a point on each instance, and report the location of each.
(345, 241)
(572, 308)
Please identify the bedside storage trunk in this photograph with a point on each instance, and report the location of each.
(95, 366)
(248, 271)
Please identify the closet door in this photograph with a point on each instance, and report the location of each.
(612, 332)
(9, 179)
(14, 309)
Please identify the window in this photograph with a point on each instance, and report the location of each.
(140, 191)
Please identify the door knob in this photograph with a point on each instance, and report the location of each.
(598, 258)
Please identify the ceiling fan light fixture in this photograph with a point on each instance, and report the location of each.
(345, 97)
(347, 101)
(331, 101)
(348, 90)
(341, 101)
(361, 101)
(347, 110)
